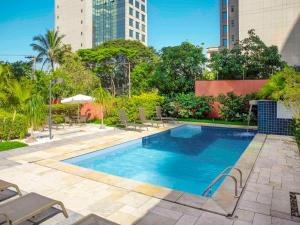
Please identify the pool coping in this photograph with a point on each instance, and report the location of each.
(222, 202)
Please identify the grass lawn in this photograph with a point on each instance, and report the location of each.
(8, 145)
(217, 121)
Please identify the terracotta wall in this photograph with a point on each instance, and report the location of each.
(216, 87)
(91, 110)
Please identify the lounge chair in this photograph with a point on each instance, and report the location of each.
(161, 118)
(93, 219)
(143, 119)
(6, 192)
(32, 207)
(124, 121)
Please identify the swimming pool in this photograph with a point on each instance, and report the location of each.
(186, 158)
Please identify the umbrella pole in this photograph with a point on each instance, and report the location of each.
(78, 115)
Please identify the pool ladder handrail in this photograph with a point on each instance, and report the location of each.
(224, 174)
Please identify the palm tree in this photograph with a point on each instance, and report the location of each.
(105, 101)
(48, 47)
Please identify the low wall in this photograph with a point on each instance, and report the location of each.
(216, 87)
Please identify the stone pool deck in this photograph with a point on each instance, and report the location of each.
(265, 200)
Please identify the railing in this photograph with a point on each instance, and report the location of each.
(224, 174)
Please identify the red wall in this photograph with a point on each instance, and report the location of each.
(216, 87)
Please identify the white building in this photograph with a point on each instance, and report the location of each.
(277, 22)
(88, 23)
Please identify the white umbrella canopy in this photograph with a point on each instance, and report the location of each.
(78, 99)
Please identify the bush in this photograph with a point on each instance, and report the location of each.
(13, 127)
(65, 109)
(148, 101)
(58, 119)
(188, 106)
(234, 107)
(296, 131)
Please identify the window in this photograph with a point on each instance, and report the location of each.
(137, 25)
(143, 17)
(232, 8)
(232, 38)
(81, 44)
(57, 17)
(225, 42)
(137, 35)
(131, 2)
(131, 11)
(81, 21)
(130, 22)
(137, 15)
(143, 27)
(232, 23)
(224, 16)
(131, 33)
(81, 33)
(57, 6)
(143, 38)
(81, 10)
(143, 7)
(57, 28)
(137, 4)
(225, 29)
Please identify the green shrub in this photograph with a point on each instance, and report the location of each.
(12, 127)
(188, 106)
(148, 101)
(234, 107)
(65, 109)
(296, 130)
(58, 119)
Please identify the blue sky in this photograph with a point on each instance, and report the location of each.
(170, 23)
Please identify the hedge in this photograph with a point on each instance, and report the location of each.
(13, 127)
(65, 109)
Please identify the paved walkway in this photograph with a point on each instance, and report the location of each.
(265, 200)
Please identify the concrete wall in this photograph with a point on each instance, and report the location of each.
(73, 18)
(216, 87)
(277, 22)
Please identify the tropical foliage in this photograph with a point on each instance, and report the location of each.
(248, 59)
(48, 47)
(178, 69)
(188, 106)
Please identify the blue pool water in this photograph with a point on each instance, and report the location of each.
(186, 158)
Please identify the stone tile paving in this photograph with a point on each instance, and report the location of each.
(264, 201)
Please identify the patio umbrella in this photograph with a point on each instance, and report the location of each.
(78, 99)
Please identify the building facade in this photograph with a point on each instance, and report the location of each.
(229, 21)
(88, 23)
(276, 22)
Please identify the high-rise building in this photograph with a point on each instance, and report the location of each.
(229, 20)
(88, 23)
(276, 22)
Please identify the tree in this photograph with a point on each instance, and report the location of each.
(48, 47)
(178, 68)
(77, 78)
(110, 61)
(247, 59)
(105, 100)
(141, 77)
